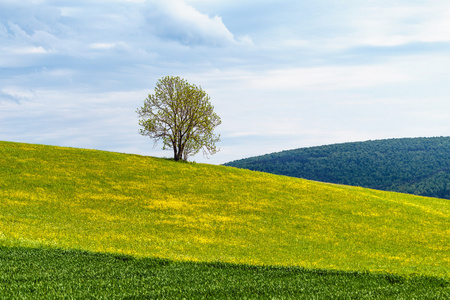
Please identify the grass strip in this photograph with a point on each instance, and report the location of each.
(40, 273)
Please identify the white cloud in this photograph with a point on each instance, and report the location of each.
(395, 23)
(328, 78)
(70, 118)
(31, 50)
(17, 94)
(101, 46)
(177, 20)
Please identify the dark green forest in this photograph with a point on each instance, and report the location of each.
(419, 166)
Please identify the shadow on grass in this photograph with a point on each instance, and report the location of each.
(48, 273)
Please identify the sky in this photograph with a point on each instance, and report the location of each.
(281, 74)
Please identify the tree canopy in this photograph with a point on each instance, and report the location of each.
(181, 116)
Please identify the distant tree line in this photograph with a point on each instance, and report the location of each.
(419, 166)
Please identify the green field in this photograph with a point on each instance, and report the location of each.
(31, 273)
(152, 210)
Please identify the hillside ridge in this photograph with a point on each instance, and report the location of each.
(419, 166)
(142, 206)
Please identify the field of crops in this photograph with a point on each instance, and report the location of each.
(30, 273)
(109, 208)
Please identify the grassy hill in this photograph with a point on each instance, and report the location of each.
(419, 166)
(144, 207)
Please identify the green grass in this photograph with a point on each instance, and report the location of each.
(144, 207)
(40, 273)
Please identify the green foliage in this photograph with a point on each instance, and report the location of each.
(181, 116)
(419, 166)
(27, 273)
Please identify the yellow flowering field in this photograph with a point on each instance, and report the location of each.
(149, 207)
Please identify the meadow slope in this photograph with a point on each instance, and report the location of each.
(148, 207)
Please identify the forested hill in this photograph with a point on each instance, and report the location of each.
(418, 166)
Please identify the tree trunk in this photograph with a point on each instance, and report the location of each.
(175, 154)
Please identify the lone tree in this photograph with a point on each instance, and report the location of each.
(180, 115)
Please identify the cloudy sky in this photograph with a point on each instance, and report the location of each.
(281, 74)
